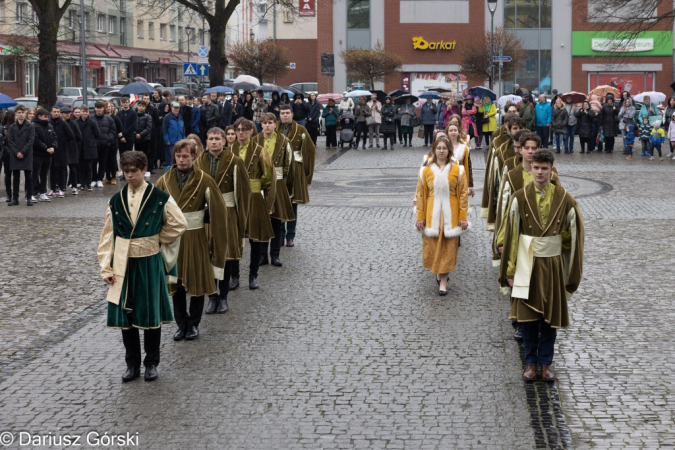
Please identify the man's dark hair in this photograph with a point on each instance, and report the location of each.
(285, 107)
(269, 117)
(133, 158)
(244, 123)
(185, 143)
(508, 118)
(19, 108)
(543, 156)
(125, 99)
(41, 112)
(529, 137)
(518, 121)
(55, 107)
(99, 104)
(216, 130)
(519, 134)
(141, 103)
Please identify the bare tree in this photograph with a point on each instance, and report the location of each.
(477, 54)
(262, 59)
(371, 64)
(632, 16)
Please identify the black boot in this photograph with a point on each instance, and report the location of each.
(234, 283)
(222, 306)
(253, 283)
(263, 260)
(213, 304)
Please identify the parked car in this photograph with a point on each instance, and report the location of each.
(90, 102)
(156, 85)
(176, 91)
(115, 100)
(192, 88)
(28, 102)
(104, 89)
(307, 87)
(68, 95)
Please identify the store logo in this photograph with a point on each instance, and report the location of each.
(419, 43)
(622, 45)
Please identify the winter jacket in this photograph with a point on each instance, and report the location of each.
(186, 114)
(20, 139)
(45, 137)
(645, 131)
(210, 117)
(439, 115)
(330, 119)
(274, 106)
(361, 112)
(143, 127)
(66, 140)
(75, 149)
(157, 116)
(300, 110)
(571, 114)
(585, 122)
(116, 132)
(667, 117)
(346, 104)
(128, 121)
(248, 109)
(196, 116)
(106, 129)
(314, 111)
(375, 110)
(644, 111)
(259, 109)
(626, 116)
(428, 114)
(491, 114)
(671, 131)
(560, 120)
(91, 135)
(173, 129)
(388, 119)
(608, 120)
(527, 112)
(630, 135)
(449, 112)
(406, 118)
(658, 136)
(543, 114)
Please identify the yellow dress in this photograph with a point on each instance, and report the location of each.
(442, 201)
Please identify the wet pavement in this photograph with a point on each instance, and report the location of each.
(348, 345)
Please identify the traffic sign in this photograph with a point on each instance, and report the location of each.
(202, 60)
(503, 59)
(189, 69)
(291, 66)
(203, 70)
(203, 51)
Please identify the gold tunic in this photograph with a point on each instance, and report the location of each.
(302, 166)
(281, 156)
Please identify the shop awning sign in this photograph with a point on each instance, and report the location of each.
(622, 45)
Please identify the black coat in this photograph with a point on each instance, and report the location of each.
(144, 126)
(75, 150)
(559, 120)
(156, 111)
(66, 140)
(248, 109)
(226, 114)
(210, 116)
(300, 111)
(107, 131)
(20, 139)
(118, 130)
(609, 120)
(128, 121)
(388, 119)
(186, 114)
(45, 137)
(585, 123)
(91, 135)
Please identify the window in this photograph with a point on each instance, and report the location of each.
(151, 30)
(7, 70)
(180, 14)
(172, 33)
(193, 35)
(72, 18)
(100, 26)
(172, 5)
(2, 10)
(358, 14)
(86, 21)
(201, 36)
(533, 14)
(21, 12)
(139, 29)
(112, 25)
(162, 32)
(139, 2)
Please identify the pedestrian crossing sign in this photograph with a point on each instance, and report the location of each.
(189, 69)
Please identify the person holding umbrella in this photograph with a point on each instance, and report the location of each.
(428, 119)
(469, 111)
(362, 112)
(330, 116)
(374, 125)
(489, 122)
(388, 127)
(407, 113)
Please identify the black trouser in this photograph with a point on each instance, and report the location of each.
(111, 164)
(331, 136)
(58, 177)
(132, 345)
(126, 146)
(313, 129)
(584, 144)
(224, 284)
(276, 241)
(73, 173)
(398, 130)
(8, 173)
(41, 164)
(487, 139)
(180, 312)
(98, 165)
(256, 251)
(361, 130)
(609, 144)
(143, 146)
(27, 184)
(543, 133)
(428, 134)
(155, 148)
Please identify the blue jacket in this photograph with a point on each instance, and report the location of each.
(173, 128)
(543, 114)
(428, 116)
(644, 111)
(196, 115)
(645, 130)
(630, 135)
(439, 114)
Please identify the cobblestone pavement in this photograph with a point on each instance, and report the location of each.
(348, 345)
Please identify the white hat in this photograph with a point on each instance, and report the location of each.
(657, 123)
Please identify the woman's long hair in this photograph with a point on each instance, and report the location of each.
(447, 142)
(198, 143)
(462, 133)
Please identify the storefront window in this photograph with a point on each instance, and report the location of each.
(8, 70)
(527, 14)
(65, 75)
(358, 14)
(510, 14)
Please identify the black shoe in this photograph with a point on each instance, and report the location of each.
(276, 261)
(264, 261)
(442, 292)
(384, 148)
(131, 374)
(179, 335)
(370, 146)
(192, 333)
(392, 147)
(234, 283)
(253, 283)
(517, 335)
(213, 304)
(13, 203)
(151, 373)
(222, 306)
(9, 199)
(29, 202)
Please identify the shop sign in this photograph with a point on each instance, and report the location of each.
(307, 8)
(648, 43)
(93, 64)
(419, 43)
(164, 61)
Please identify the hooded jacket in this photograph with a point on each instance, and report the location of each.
(65, 139)
(45, 137)
(630, 135)
(106, 129)
(143, 127)
(300, 110)
(90, 137)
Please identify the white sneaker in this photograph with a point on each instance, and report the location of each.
(61, 194)
(33, 199)
(44, 198)
(93, 184)
(74, 191)
(669, 155)
(147, 175)
(99, 184)
(52, 193)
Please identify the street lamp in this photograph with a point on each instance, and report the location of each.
(492, 6)
(252, 36)
(188, 30)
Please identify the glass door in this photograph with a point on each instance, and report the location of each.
(31, 77)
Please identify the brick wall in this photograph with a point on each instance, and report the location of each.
(303, 53)
(324, 42)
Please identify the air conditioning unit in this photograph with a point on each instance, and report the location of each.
(288, 17)
(262, 8)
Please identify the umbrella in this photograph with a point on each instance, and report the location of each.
(381, 95)
(403, 98)
(137, 87)
(430, 94)
(6, 101)
(245, 86)
(482, 91)
(655, 97)
(602, 91)
(577, 97)
(508, 98)
(399, 92)
(246, 79)
(140, 79)
(326, 97)
(220, 90)
(268, 87)
(359, 93)
(440, 89)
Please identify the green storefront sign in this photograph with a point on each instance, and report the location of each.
(608, 43)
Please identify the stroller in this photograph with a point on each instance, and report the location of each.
(347, 123)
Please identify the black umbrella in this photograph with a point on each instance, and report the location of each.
(137, 88)
(244, 86)
(381, 95)
(673, 86)
(270, 88)
(398, 92)
(402, 99)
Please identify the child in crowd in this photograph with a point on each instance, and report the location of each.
(645, 133)
(658, 136)
(630, 140)
(671, 132)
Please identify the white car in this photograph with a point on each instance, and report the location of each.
(68, 95)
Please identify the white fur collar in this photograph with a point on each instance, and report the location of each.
(442, 202)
